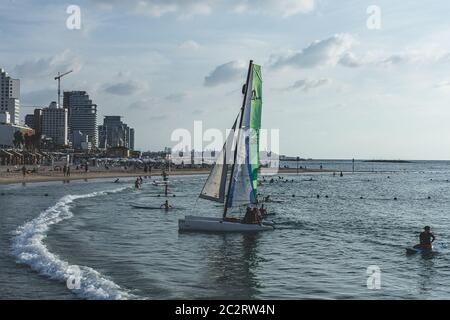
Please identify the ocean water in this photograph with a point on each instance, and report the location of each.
(321, 249)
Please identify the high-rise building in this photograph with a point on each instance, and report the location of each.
(115, 133)
(131, 141)
(55, 124)
(82, 114)
(9, 96)
(34, 120)
(29, 120)
(102, 142)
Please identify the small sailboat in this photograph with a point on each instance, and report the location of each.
(239, 188)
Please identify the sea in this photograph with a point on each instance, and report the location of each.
(336, 237)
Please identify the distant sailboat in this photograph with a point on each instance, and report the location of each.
(240, 187)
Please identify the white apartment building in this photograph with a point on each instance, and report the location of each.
(9, 96)
(55, 124)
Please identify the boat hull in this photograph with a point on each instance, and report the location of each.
(210, 224)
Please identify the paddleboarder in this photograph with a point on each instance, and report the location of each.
(426, 239)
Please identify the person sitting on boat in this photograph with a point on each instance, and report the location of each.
(426, 239)
(256, 217)
(262, 210)
(166, 205)
(248, 215)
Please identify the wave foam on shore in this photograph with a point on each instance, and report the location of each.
(29, 248)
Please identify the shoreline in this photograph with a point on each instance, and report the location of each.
(50, 176)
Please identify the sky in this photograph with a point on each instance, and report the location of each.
(342, 79)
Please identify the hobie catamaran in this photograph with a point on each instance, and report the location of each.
(239, 188)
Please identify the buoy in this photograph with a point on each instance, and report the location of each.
(293, 195)
(395, 198)
(361, 197)
(429, 197)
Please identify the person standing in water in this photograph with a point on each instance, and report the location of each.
(166, 205)
(426, 239)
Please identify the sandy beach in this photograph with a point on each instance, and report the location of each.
(45, 174)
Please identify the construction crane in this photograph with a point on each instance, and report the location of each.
(58, 77)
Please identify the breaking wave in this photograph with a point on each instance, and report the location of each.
(29, 248)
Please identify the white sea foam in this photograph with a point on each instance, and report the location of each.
(29, 248)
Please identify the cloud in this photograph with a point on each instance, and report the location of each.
(330, 51)
(348, 59)
(143, 104)
(124, 88)
(284, 8)
(176, 97)
(159, 8)
(189, 45)
(159, 117)
(224, 73)
(39, 97)
(48, 67)
(190, 8)
(305, 85)
(442, 84)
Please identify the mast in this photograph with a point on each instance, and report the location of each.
(237, 141)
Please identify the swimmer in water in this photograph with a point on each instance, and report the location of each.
(166, 205)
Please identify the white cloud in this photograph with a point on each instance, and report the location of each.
(159, 8)
(189, 45)
(284, 8)
(442, 84)
(189, 8)
(226, 73)
(305, 85)
(327, 52)
(348, 59)
(48, 67)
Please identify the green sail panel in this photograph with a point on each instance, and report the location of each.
(244, 179)
(255, 125)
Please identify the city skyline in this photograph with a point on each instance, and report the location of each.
(334, 87)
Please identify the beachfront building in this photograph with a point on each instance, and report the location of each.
(115, 133)
(80, 141)
(34, 120)
(9, 96)
(82, 115)
(8, 131)
(55, 124)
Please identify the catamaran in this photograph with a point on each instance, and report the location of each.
(239, 188)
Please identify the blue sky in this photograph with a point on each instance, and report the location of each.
(334, 88)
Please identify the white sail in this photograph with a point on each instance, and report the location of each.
(242, 189)
(216, 183)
